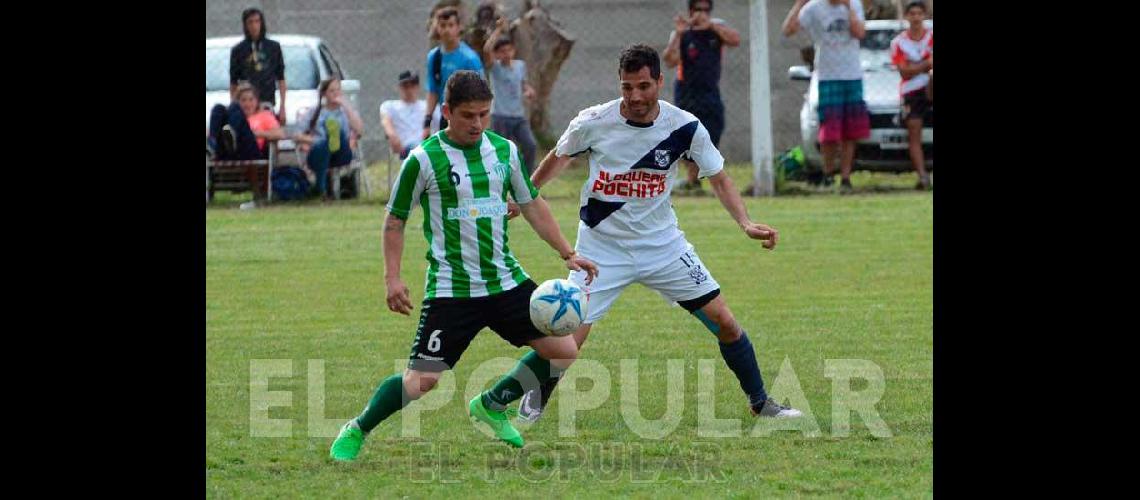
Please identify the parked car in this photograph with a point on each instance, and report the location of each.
(307, 61)
(887, 147)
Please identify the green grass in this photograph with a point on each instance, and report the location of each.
(852, 278)
(569, 184)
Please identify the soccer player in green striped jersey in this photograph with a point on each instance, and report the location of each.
(461, 177)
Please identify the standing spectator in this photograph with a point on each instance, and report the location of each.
(508, 81)
(401, 117)
(327, 127)
(258, 61)
(433, 35)
(912, 52)
(696, 47)
(451, 55)
(836, 27)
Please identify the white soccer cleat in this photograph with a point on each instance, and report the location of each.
(528, 413)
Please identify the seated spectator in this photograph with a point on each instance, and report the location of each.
(328, 128)
(403, 118)
(240, 131)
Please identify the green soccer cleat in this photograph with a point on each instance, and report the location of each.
(347, 444)
(498, 420)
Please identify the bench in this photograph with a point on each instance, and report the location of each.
(239, 176)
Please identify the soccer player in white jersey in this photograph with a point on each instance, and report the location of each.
(627, 225)
(461, 177)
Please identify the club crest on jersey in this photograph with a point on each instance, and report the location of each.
(501, 171)
(661, 156)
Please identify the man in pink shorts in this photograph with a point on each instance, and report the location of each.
(836, 27)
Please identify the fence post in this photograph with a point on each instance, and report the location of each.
(760, 91)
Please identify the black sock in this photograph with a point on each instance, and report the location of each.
(547, 388)
(530, 371)
(741, 359)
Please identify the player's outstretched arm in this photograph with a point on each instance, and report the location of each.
(726, 192)
(537, 214)
(398, 298)
(551, 167)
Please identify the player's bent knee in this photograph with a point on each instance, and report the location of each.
(417, 383)
(581, 334)
(561, 352)
(717, 317)
(728, 330)
(729, 334)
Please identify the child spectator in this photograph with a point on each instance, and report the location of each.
(508, 83)
(327, 128)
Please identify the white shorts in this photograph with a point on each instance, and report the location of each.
(678, 275)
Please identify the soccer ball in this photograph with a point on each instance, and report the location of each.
(558, 307)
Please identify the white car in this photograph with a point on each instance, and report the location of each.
(307, 62)
(887, 147)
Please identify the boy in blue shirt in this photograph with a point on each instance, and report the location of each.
(451, 55)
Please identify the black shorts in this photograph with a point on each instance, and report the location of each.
(448, 325)
(709, 109)
(916, 105)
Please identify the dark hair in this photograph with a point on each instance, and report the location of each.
(244, 87)
(407, 77)
(467, 86)
(321, 89)
(245, 15)
(447, 13)
(503, 41)
(915, 3)
(638, 56)
(456, 5)
(693, 3)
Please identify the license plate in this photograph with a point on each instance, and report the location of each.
(893, 141)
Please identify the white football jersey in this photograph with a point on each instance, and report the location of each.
(626, 197)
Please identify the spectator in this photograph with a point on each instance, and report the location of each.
(836, 27)
(240, 131)
(696, 47)
(912, 52)
(401, 117)
(327, 128)
(457, 5)
(508, 81)
(451, 55)
(258, 61)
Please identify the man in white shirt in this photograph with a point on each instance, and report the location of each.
(836, 27)
(627, 225)
(403, 118)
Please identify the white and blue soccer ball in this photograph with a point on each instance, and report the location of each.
(558, 307)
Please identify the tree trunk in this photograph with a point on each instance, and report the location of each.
(544, 45)
(481, 27)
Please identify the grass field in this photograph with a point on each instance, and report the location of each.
(852, 278)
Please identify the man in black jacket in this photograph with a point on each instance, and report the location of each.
(258, 61)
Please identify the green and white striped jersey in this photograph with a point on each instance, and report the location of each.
(463, 192)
